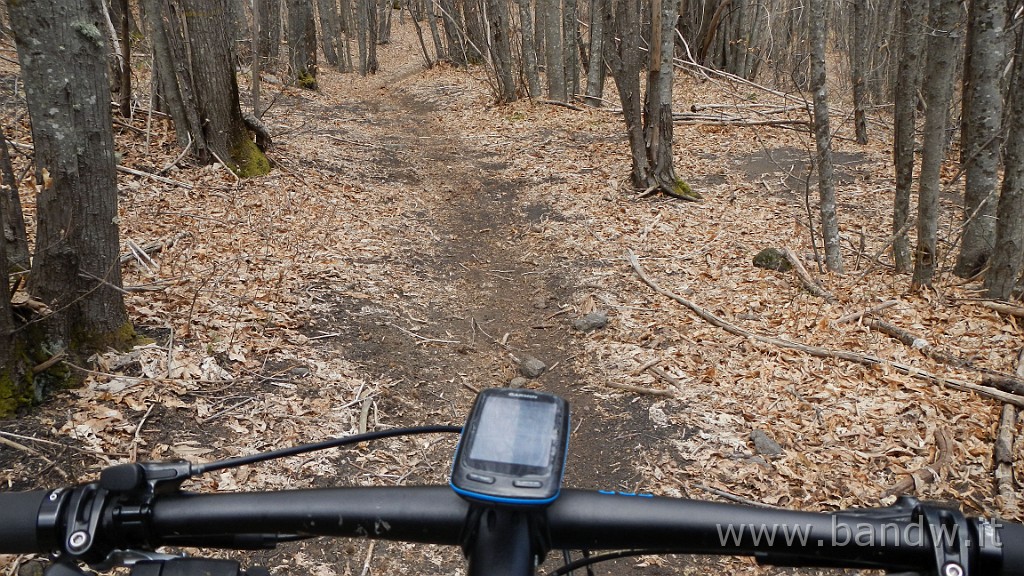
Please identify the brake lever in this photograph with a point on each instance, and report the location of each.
(128, 558)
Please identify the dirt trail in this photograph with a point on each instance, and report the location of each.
(491, 290)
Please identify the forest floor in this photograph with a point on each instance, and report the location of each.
(416, 242)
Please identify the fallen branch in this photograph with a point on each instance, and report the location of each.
(1002, 308)
(723, 120)
(640, 389)
(1002, 457)
(563, 105)
(134, 172)
(858, 315)
(816, 351)
(929, 473)
(809, 283)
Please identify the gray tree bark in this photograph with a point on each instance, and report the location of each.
(596, 66)
(555, 64)
(302, 43)
(529, 49)
(1008, 255)
(982, 112)
(330, 31)
(76, 269)
(913, 14)
(570, 57)
(938, 93)
(270, 29)
(14, 240)
(476, 30)
(858, 69)
(501, 49)
(454, 28)
(823, 139)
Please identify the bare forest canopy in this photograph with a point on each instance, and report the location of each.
(770, 251)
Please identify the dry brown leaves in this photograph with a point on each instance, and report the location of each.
(248, 264)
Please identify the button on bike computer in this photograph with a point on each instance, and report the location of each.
(512, 449)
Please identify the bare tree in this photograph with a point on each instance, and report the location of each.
(14, 240)
(302, 43)
(553, 57)
(1008, 255)
(982, 112)
(823, 139)
(529, 49)
(76, 267)
(648, 120)
(938, 92)
(596, 66)
(501, 48)
(913, 14)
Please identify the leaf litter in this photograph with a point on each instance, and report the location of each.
(241, 359)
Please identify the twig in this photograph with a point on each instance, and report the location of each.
(858, 315)
(805, 278)
(39, 368)
(36, 453)
(646, 365)
(562, 104)
(1002, 457)
(184, 151)
(1003, 308)
(369, 557)
(666, 377)
(220, 413)
(424, 339)
(134, 172)
(819, 352)
(929, 473)
(733, 497)
(640, 389)
(226, 166)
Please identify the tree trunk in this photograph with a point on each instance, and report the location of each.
(501, 49)
(938, 92)
(14, 242)
(15, 387)
(270, 29)
(858, 68)
(624, 61)
(329, 29)
(1008, 255)
(439, 48)
(913, 14)
(476, 31)
(372, 36)
(302, 43)
(823, 139)
(555, 68)
(570, 57)
(454, 29)
(596, 66)
(76, 269)
(174, 75)
(529, 49)
(983, 116)
(363, 35)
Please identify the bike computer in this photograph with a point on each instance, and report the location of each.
(512, 449)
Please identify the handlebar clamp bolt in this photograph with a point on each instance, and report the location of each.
(952, 569)
(79, 541)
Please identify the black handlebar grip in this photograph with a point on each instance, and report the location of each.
(19, 519)
(1011, 536)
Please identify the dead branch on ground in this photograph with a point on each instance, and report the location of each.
(819, 352)
(809, 283)
(929, 473)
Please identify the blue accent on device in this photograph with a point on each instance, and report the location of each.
(512, 449)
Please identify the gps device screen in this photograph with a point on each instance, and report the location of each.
(513, 446)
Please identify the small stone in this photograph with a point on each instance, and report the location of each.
(299, 371)
(540, 303)
(764, 444)
(591, 322)
(518, 382)
(531, 367)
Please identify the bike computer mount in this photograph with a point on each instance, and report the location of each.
(512, 449)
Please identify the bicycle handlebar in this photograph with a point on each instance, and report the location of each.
(906, 536)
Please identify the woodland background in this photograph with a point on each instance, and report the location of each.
(421, 225)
